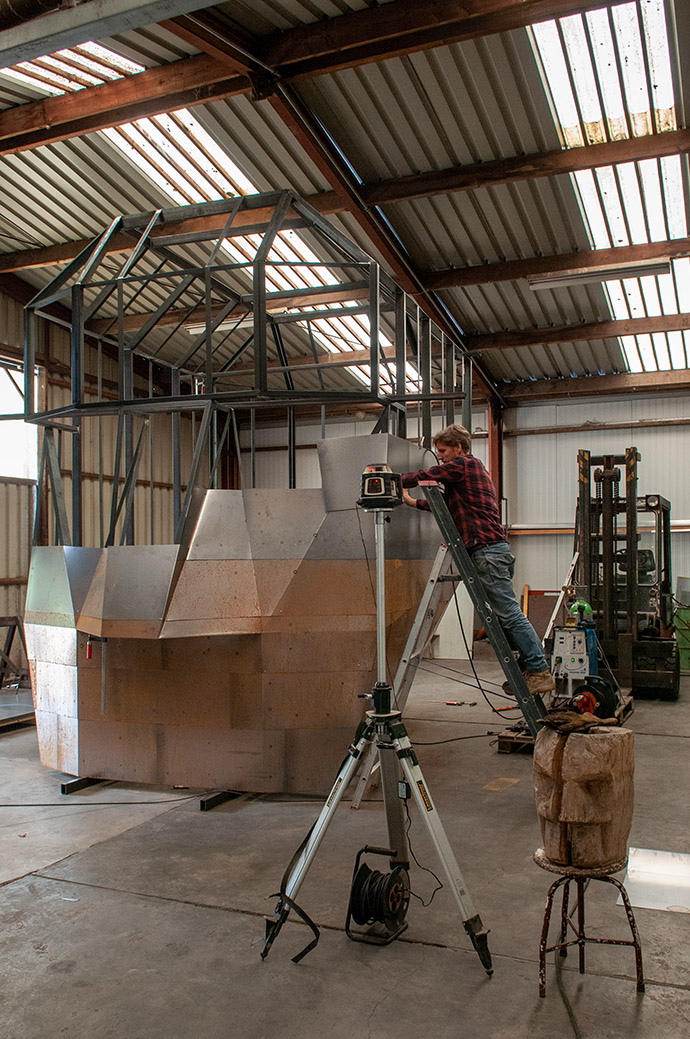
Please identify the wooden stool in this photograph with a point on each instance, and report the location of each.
(581, 878)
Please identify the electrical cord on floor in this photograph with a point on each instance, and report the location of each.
(480, 687)
(455, 739)
(426, 869)
(472, 685)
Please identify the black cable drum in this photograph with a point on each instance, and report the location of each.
(380, 897)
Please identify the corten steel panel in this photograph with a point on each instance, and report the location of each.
(221, 668)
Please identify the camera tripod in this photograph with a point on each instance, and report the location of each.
(384, 731)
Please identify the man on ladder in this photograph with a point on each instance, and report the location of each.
(472, 502)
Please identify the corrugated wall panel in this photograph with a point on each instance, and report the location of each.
(542, 483)
(15, 514)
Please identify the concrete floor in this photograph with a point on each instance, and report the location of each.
(127, 912)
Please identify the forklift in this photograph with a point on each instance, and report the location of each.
(627, 586)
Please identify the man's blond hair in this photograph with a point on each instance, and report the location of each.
(454, 436)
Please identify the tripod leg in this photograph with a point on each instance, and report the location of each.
(390, 775)
(303, 857)
(366, 769)
(470, 918)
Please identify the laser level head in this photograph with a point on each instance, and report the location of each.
(381, 488)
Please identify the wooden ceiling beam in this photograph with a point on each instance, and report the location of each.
(622, 384)
(457, 179)
(553, 163)
(376, 34)
(46, 256)
(476, 344)
(565, 263)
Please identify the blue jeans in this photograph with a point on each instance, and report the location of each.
(495, 566)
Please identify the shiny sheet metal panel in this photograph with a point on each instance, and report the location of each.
(130, 585)
(343, 460)
(283, 524)
(221, 530)
(48, 595)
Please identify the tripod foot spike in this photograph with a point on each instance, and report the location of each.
(480, 941)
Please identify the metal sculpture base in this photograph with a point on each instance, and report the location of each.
(385, 730)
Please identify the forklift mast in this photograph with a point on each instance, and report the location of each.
(629, 588)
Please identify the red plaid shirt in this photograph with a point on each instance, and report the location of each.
(470, 496)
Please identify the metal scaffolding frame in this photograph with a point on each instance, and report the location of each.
(200, 306)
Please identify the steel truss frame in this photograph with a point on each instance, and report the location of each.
(136, 292)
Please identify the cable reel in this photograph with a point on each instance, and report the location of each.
(595, 696)
(378, 899)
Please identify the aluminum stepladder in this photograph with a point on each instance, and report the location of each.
(531, 705)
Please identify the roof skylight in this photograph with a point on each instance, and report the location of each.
(609, 75)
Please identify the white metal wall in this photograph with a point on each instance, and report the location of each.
(541, 474)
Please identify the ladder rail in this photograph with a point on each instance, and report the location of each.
(531, 705)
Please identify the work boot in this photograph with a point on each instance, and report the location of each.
(538, 682)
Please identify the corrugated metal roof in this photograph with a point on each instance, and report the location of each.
(477, 101)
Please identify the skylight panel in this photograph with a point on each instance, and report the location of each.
(123, 144)
(632, 354)
(630, 192)
(591, 204)
(660, 346)
(605, 61)
(98, 68)
(556, 70)
(650, 295)
(629, 43)
(667, 291)
(681, 270)
(611, 201)
(30, 78)
(618, 58)
(646, 351)
(654, 203)
(676, 348)
(674, 200)
(111, 58)
(580, 63)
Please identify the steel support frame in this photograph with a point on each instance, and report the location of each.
(445, 375)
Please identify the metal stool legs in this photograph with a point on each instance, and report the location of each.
(580, 937)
